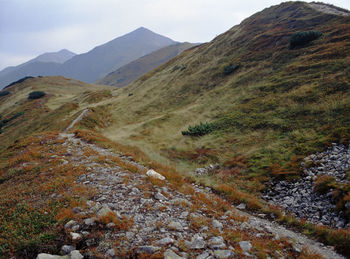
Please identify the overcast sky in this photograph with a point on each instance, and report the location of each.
(31, 27)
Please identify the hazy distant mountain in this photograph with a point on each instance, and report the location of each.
(56, 57)
(135, 69)
(43, 65)
(92, 65)
(108, 57)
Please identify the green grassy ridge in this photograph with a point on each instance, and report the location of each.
(295, 99)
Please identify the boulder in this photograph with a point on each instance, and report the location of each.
(154, 174)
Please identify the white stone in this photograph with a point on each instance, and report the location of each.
(48, 256)
(154, 174)
(170, 254)
(245, 246)
(76, 255)
(75, 236)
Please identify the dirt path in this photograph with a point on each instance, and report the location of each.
(152, 217)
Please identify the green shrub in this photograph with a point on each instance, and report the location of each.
(199, 130)
(3, 93)
(302, 38)
(3, 122)
(36, 95)
(229, 69)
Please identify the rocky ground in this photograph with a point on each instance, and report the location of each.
(136, 214)
(299, 197)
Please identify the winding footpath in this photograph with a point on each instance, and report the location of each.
(150, 216)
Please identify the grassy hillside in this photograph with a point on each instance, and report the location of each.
(135, 69)
(53, 112)
(276, 106)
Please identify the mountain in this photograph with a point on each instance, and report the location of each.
(93, 65)
(108, 57)
(135, 69)
(55, 57)
(261, 109)
(47, 64)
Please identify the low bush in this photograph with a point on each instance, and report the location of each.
(199, 130)
(324, 183)
(4, 93)
(302, 38)
(36, 95)
(229, 69)
(3, 122)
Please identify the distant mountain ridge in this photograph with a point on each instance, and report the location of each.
(114, 54)
(55, 57)
(135, 69)
(93, 65)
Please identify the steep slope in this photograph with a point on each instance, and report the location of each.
(262, 107)
(135, 69)
(265, 104)
(108, 57)
(25, 69)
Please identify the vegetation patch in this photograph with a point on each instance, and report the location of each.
(4, 93)
(229, 69)
(199, 129)
(34, 188)
(300, 39)
(5, 121)
(19, 81)
(36, 95)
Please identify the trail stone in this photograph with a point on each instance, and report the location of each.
(197, 242)
(216, 243)
(154, 174)
(70, 223)
(66, 249)
(110, 253)
(165, 241)
(245, 246)
(217, 224)
(223, 254)
(173, 225)
(203, 255)
(75, 236)
(104, 211)
(76, 255)
(241, 206)
(160, 196)
(90, 221)
(147, 249)
(170, 254)
(48, 256)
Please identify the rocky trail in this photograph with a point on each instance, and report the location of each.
(139, 214)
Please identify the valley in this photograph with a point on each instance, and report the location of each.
(250, 132)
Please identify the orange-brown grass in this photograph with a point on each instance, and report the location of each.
(29, 203)
(65, 214)
(233, 194)
(339, 238)
(120, 224)
(306, 254)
